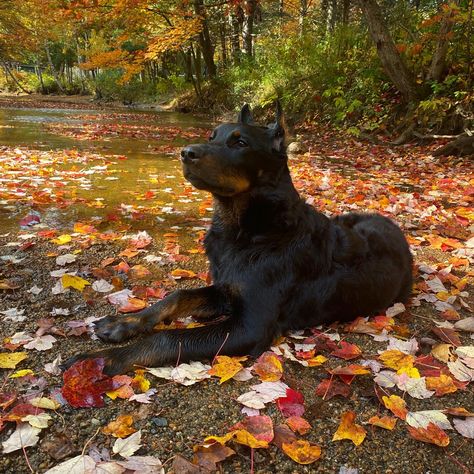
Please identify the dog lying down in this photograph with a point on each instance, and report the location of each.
(277, 264)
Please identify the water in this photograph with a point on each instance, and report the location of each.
(135, 176)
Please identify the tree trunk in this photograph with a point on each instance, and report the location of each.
(234, 23)
(53, 69)
(346, 8)
(391, 60)
(222, 34)
(247, 27)
(302, 15)
(331, 16)
(438, 61)
(205, 42)
(15, 80)
(39, 75)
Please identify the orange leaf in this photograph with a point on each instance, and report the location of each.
(298, 424)
(387, 422)
(431, 434)
(121, 427)
(180, 273)
(133, 305)
(139, 271)
(396, 405)
(350, 430)
(302, 451)
(441, 385)
(268, 367)
(226, 367)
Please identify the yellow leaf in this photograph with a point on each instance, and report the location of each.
(9, 360)
(396, 360)
(43, 402)
(226, 367)
(62, 239)
(316, 361)
(241, 437)
(140, 381)
(21, 373)
(301, 451)
(412, 372)
(350, 430)
(74, 281)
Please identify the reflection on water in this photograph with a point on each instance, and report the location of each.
(140, 184)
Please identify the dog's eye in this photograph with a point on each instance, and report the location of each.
(212, 136)
(241, 143)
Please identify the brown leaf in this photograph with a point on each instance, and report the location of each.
(447, 335)
(208, 456)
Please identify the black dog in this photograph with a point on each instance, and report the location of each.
(277, 264)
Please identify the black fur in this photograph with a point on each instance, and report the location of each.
(277, 264)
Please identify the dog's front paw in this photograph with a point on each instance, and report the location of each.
(114, 363)
(117, 328)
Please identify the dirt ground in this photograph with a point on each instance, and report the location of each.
(334, 173)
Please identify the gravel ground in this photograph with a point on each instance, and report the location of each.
(180, 417)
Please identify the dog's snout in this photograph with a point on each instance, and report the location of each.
(189, 155)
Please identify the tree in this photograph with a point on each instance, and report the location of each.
(391, 60)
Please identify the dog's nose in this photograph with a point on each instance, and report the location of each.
(189, 155)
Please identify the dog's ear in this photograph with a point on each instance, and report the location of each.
(278, 129)
(245, 116)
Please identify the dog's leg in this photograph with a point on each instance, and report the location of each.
(228, 337)
(200, 302)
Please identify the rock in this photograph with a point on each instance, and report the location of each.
(295, 148)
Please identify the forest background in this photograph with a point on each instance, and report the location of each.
(401, 67)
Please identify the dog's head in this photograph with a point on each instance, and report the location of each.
(238, 157)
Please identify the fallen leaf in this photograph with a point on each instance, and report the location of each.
(84, 383)
(291, 404)
(421, 419)
(298, 424)
(465, 427)
(302, 452)
(24, 436)
(447, 335)
(77, 465)
(226, 367)
(268, 367)
(9, 360)
(208, 456)
(396, 360)
(396, 405)
(128, 446)
(73, 281)
(120, 427)
(431, 434)
(347, 351)
(332, 387)
(387, 422)
(349, 430)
